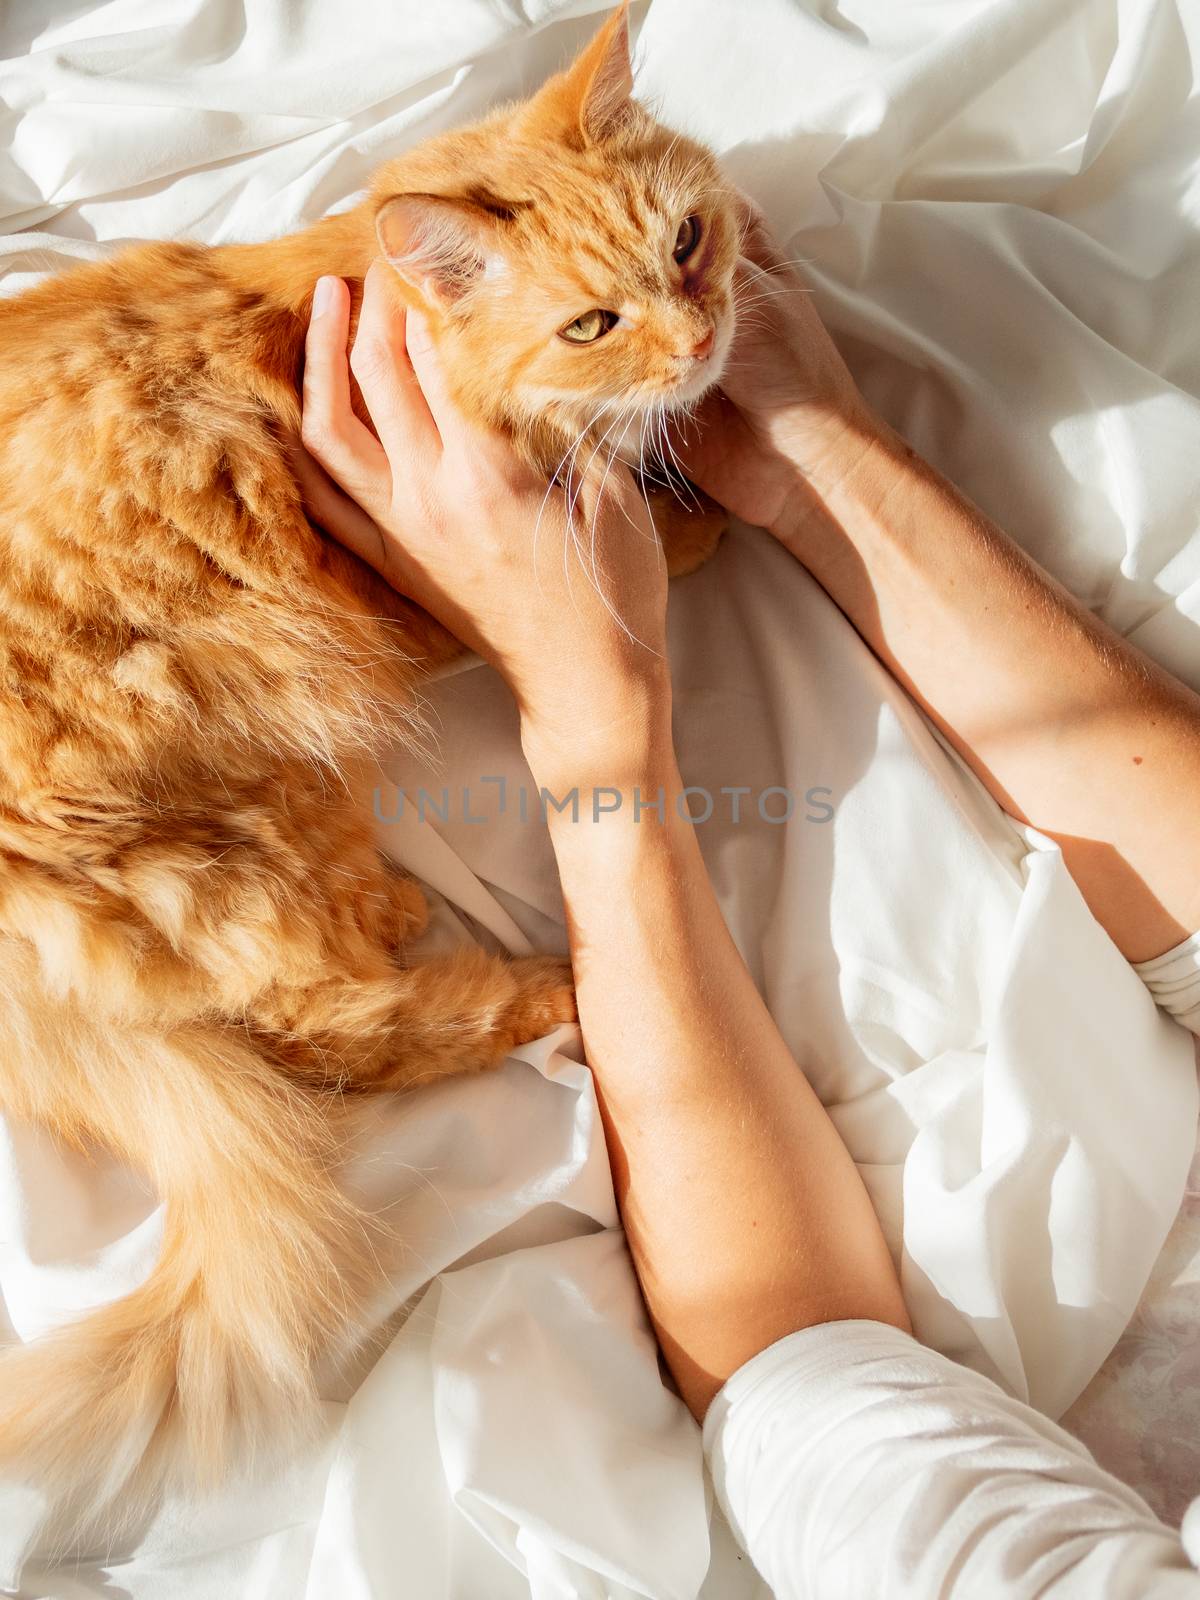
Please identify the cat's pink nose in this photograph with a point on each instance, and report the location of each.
(703, 348)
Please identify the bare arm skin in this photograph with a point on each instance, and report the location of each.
(744, 1213)
(1069, 726)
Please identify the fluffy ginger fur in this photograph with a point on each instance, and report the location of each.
(202, 951)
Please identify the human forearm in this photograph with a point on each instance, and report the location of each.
(745, 1215)
(1069, 726)
(744, 1211)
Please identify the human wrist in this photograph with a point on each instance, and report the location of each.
(619, 741)
(840, 477)
(824, 443)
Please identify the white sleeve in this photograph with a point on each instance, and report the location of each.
(853, 1462)
(1174, 981)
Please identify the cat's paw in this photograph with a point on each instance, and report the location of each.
(413, 908)
(402, 911)
(545, 997)
(687, 553)
(689, 525)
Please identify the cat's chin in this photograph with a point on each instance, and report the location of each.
(706, 376)
(695, 387)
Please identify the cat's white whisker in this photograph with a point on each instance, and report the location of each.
(676, 474)
(550, 487)
(630, 415)
(761, 294)
(569, 535)
(641, 480)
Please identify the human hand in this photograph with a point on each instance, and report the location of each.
(788, 419)
(569, 604)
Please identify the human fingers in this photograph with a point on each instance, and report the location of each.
(331, 433)
(423, 358)
(380, 364)
(758, 242)
(484, 450)
(337, 514)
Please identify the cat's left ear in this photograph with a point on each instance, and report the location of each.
(441, 246)
(594, 97)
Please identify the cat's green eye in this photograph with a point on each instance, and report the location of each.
(592, 325)
(686, 239)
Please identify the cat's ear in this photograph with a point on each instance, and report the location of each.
(441, 246)
(594, 97)
(603, 78)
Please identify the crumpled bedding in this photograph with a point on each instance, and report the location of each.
(997, 204)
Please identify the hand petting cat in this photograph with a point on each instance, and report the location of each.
(567, 599)
(550, 590)
(788, 416)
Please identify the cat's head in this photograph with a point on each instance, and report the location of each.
(577, 257)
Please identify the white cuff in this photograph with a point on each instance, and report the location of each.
(1174, 981)
(852, 1461)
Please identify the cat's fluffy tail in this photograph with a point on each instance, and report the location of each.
(213, 1355)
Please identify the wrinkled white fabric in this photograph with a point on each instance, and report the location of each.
(849, 1459)
(997, 202)
(852, 1460)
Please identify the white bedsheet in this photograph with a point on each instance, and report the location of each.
(998, 201)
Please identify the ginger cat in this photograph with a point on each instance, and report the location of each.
(201, 951)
